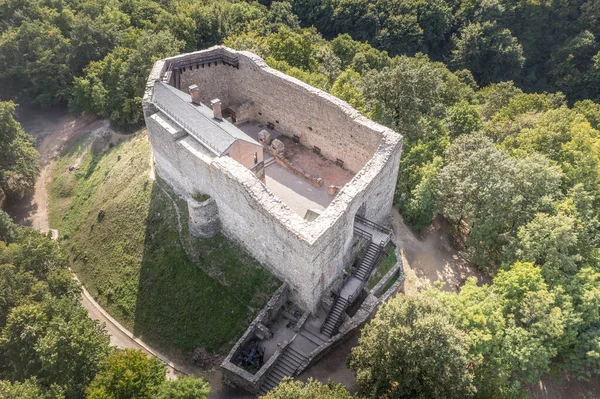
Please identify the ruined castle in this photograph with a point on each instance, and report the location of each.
(275, 164)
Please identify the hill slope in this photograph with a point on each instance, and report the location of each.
(122, 231)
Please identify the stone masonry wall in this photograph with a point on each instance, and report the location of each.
(204, 218)
(293, 107)
(307, 255)
(214, 83)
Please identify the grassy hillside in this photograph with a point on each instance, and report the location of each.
(121, 231)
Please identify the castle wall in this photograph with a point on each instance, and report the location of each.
(308, 256)
(214, 83)
(293, 107)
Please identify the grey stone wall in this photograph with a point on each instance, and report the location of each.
(294, 107)
(236, 375)
(204, 218)
(309, 256)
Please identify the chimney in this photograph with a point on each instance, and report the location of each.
(216, 106)
(195, 93)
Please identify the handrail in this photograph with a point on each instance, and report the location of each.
(362, 233)
(372, 224)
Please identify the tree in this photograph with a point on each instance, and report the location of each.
(41, 76)
(8, 229)
(37, 253)
(422, 206)
(551, 242)
(583, 355)
(398, 96)
(72, 347)
(347, 87)
(56, 342)
(184, 388)
(413, 349)
(493, 193)
(127, 374)
(21, 390)
(295, 48)
(495, 97)
(18, 159)
(114, 86)
(292, 389)
(491, 53)
(16, 288)
(463, 118)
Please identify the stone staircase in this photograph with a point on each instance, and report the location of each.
(314, 334)
(286, 365)
(335, 317)
(292, 357)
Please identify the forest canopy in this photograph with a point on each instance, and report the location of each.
(498, 103)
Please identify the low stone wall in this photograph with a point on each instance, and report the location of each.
(286, 163)
(204, 218)
(236, 375)
(396, 271)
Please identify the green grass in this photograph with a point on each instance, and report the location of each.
(385, 264)
(134, 262)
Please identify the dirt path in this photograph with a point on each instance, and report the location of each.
(51, 130)
(431, 257)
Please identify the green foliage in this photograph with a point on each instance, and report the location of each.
(43, 76)
(514, 328)
(412, 349)
(21, 390)
(347, 87)
(491, 53)
(54, 341)
(18, 159)
(8, 229)
(493, 193)
(127, 374)
(114, 86)
(292, 389)
(184, 388)
(45, 334)
(399, 95)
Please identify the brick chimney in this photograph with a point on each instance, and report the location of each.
(216, 106)
(195, 93)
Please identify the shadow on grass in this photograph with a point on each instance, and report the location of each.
(187, 303)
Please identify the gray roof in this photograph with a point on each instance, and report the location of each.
(217, 135)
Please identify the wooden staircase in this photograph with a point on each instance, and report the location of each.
(335, 317)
